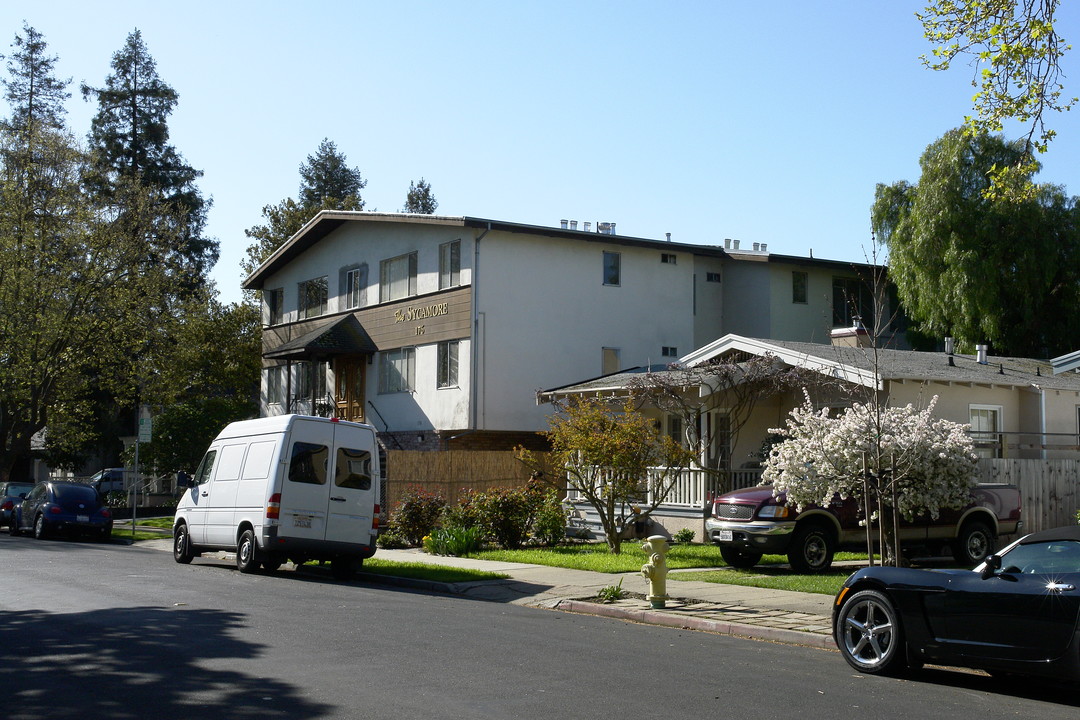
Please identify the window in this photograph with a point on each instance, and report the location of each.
(449, 264)
(312, 297)
(669, 351)
(852, 297)
(609, 361)
(799, 284)
(353, 287)
(612, 263)
(448, 364)
(667, 258)
(353, 469)
(675, 429)
(712, 277)
(202, 473)
(275, 385)
(986, 430)
(397, 371)
(304, 378)
(275, 300)
(308, 463)
(397, 278)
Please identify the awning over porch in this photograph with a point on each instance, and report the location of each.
(344, 336)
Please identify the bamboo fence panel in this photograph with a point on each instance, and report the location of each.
(453, 472)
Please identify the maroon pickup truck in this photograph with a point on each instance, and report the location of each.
(749, 523)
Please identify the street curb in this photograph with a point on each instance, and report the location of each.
(722, 627)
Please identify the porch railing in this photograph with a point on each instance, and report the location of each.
(693, 487)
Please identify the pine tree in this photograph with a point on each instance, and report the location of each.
(420, 200)
(35, 94)
(129, 139)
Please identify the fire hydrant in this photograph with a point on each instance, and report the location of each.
(655, 571)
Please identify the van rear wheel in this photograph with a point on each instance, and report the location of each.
(343, 568)
(246, 552)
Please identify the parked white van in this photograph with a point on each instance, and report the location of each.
(288, 487)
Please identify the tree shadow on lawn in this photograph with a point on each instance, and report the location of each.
(136, 663)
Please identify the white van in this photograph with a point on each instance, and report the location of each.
(289, 487)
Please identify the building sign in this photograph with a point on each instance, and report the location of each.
(409, 314)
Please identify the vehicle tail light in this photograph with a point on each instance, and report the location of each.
(375, 517)
(7, 506)
(105, 513)
(55, 509)
(273, 508)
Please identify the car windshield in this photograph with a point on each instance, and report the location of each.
(18, 488)
(1057, 556)
(81, 493)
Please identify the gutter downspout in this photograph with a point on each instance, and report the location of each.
(474, 385)
(1042, 420)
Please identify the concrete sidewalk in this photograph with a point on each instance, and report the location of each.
(776, 615)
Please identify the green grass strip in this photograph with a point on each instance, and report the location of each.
(424, 571)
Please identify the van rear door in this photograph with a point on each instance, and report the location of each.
(304, 491)
(353, 490)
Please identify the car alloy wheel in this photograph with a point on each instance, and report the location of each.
(869, 634)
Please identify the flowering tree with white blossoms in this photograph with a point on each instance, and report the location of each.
(899, 461)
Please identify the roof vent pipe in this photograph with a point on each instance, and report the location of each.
(757, 246)
(668, 236)
(948, 346)
(573, 224)
(980, 354)
(588, 226)
(562, 224)
(727, 243)
(764, 247)
(735, 244)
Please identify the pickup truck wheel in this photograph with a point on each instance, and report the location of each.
(245, 553)
(869, 634)
(738, 558)
(974, 543)
(811, 549)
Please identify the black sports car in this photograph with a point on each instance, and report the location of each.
(1017, 612)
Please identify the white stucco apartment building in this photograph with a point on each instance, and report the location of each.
(440, 330)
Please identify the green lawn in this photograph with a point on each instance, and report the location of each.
(773, 578)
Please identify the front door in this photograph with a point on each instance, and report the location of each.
(349, 388)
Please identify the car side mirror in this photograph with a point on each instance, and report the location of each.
(184, 480)
(991, 565)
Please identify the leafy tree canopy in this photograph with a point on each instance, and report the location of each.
(983, 268)
(1016, 52)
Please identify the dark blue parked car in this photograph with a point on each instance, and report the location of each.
(63, 507)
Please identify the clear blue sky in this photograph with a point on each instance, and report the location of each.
(768, 122)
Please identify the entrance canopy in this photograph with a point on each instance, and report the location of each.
(344, 336)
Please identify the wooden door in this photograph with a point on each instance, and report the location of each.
(349, 375)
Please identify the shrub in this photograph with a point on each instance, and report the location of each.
(456, 541)
(505, 514)
(686, 535)
(416, 514)
(391, 539)
(549, 523)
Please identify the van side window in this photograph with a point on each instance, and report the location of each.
(308, 463)
(202, 475)
(353, 469)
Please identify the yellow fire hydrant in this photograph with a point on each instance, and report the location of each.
(655, 571)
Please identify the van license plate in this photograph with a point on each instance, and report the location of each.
(725, 536)
(301, 521)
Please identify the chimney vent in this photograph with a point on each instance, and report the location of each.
(588, 226)
(573, 224)
(757, 246)
(727, 243)
(735, 244)
(562, 224)
(764, 247)
(948, 346)
(668, 235)
(980, 354)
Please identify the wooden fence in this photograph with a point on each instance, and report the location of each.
(1049, 489)
(452, 472)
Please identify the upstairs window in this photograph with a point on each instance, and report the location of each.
(712, 277)
(450, 264)
(799, 285)
(397, 277)
(852, 297)
(275, 301)
(667, 258)
(669, 351)
(612, 268)
(353, 287)
(312, 297)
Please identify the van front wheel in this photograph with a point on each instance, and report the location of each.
(245, 553)
(181, 547)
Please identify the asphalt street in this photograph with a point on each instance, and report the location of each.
(115, 631)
